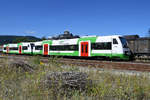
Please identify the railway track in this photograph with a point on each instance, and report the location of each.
(144, 67)
(120, 65)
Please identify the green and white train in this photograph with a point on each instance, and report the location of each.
(88, 46)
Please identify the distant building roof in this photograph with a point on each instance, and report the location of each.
(66, 35)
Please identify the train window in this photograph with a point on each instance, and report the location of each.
(124, 42)
(52, 48)
(71, 47)
(32, 45)
(13, 48)
(64, 47)
(101, 46)
(86, 48)
(38, 47)
(82, 48)
(24, 48)
(115, 41)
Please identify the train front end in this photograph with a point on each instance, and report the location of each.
(127, 54)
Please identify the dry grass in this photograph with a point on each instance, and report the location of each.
(16, 84)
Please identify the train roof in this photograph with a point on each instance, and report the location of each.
(131, 36)
(101, 36)
(135, 37)
(144, 38)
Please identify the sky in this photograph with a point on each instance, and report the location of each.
(81, 17)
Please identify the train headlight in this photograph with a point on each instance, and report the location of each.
(127, 53)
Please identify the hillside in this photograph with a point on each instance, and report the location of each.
(4, 39)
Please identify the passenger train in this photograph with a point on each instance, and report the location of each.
(87, 46)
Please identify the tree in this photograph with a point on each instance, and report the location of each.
(20, 39)
(43, 38)
(23, 39)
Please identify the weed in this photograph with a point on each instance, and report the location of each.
(18, 85)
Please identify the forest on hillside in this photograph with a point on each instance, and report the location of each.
(4, 39)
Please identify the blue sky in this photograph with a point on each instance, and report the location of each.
(82, 17)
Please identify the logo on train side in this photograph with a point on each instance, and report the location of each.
(63, 42)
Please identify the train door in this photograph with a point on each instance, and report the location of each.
(20, 49)
(84, 49)
(46, 49)
(7, 49)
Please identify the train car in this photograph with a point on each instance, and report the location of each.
(87, 46)
(5, 48)
(92, 46)
(26, 47)
(140, 46)
(37, 48)
(10, 48)
(18, 48)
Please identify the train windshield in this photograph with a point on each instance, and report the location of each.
(124, 42)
